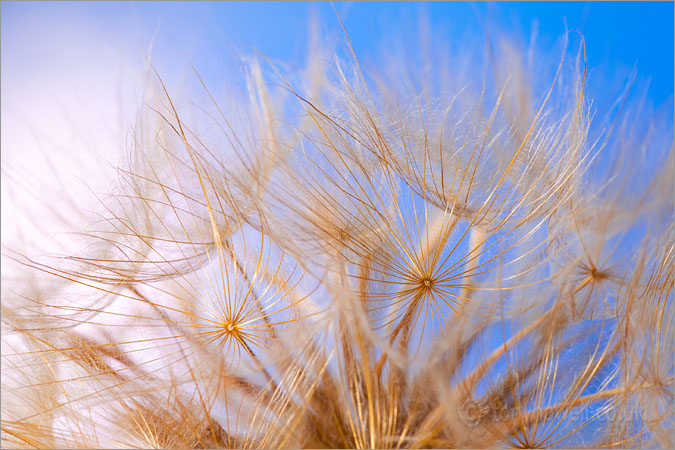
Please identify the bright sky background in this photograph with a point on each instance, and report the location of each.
(72, 72)
(69, 52)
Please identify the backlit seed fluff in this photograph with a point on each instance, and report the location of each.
(413, 256)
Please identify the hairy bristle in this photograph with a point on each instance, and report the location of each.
(362, 259)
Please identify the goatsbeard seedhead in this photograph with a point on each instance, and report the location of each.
(359, 258)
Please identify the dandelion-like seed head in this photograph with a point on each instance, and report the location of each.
(393, 259)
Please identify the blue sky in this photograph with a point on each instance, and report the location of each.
(72, 72)
(36, 34)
